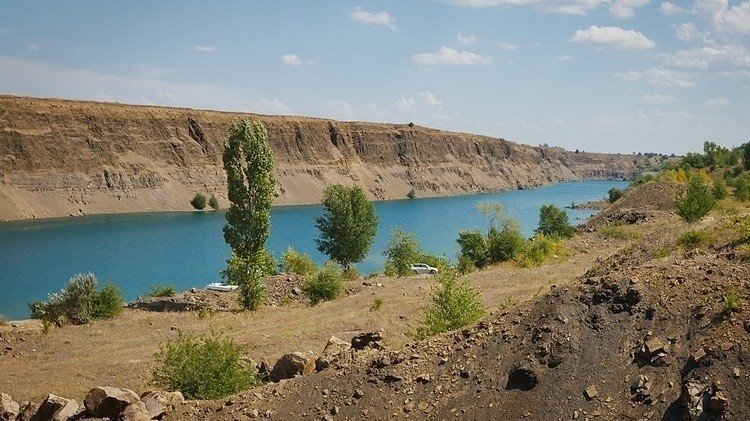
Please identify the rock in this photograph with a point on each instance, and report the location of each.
(296, 291)
(591, 392)
(291, 365)
(158, 403)
(9, 408)
(639, 388)
(337, 353)
(368, 340)
(135, 412)
(28, 411)
(55, 408)
(718, 403)
(109, 402)
(264, 370)
(746, 325)
(654, 347)
(698, 355)
(358, 394)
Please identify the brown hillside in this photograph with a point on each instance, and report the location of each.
(60, 157)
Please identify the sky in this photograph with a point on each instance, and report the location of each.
(596, 75)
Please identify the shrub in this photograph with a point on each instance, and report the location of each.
(298, 263)
(403, 250)
(376, 304)
(473, 248)
(732, 301)
(642, 179)
(203, 367)
(199, 201)
(465, 265)
(161, 291)
(619, 232)
(79, 302)
(742, 189)
(453, 304)
(693, 239)
(696, 202)
(719, 189)
(614, 194)
(504, 244)
(554, 221)
(213, 202)
(325, 285)
(539, 249)
(250, 275)
(507, 303)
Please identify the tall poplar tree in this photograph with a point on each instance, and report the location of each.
(248, 162)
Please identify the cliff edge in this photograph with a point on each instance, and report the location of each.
(66, 158)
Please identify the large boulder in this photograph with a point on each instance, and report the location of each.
(292, 365)
(337, 353)
(55, 408)
(109, 402)
(9, 408)
(372, 340)
(159, 403)
(135, 412)
(28, 411)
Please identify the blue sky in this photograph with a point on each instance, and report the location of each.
(600, 75)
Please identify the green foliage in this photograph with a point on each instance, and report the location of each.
(403, 250)
(507, 303)
(539, 249)
(742, 189)
(203, 367)
(327, 284)
(453, 304)
(619, 232)
(506, 243)
(248, 163)
(732, 301)
(696, 202)
(348, 226)
(746, 155)
(377, 304)
(107, 303)
(719, 189)
(465, 265)
(473, 249)
(642, 179)
(213, 202)
(554, 221)
(298, 263)
(614, 194)
(692, 239)
(79, 302)
(199, 201)
(441, 263)
(162, 291)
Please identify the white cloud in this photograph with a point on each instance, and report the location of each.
(615, 37)
(291, 59)
(430, 99)
(342, 110)
(269, 106)
(626, 8)
(204, 48)
(716, 103)
(508, 46)
(32, 48)
(669, 9)
(659, 99)
(406, 105)
(724, 17)
(722, 57)
(467, 40)
(659, 77)
(686, 31)
(447, 56)
(569, 7)
(380, 18)
(565, 57)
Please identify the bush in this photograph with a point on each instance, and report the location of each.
(554, 221)
(696, 202)
(199, 201)
(203, 367)
(403, 250)
(298, 263)
(376, 304)
(539, 249)
(742, 189)
(732, 301)
(161, 291)
(615, 194)
(213, 202)
(250, 275)
(79, 302)
(473, 249)
(619, 232)
(693, 239)
(504, 244)
(325, 285)
(719, 189)
(453, 305)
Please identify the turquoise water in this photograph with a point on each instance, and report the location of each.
(188, 250)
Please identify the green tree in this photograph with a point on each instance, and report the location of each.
(348, 226)
(473, 248)
(746, 155)
(696, 202)
(614, 194)
(199, 201)
(403, 250)
(554, 221)
(742, 189)
(505, 243)
(248, 162)
(719, 189)
(213, 202)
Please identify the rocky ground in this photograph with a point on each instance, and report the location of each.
(631, 328)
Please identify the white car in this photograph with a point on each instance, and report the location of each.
(423, 269)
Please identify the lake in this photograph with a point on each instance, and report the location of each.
(187, 249)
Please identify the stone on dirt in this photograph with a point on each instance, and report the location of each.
(9, 408)
(109, 402)
(337, 353)
(56, 408)
(292, 365)
(368, 340)
(158, 403)
(591, 392)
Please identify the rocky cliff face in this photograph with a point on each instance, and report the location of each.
(60, 158)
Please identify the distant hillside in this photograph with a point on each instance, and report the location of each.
(60, 158)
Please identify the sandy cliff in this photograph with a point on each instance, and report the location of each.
(60, 158)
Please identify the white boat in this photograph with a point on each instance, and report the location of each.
(219, 286)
